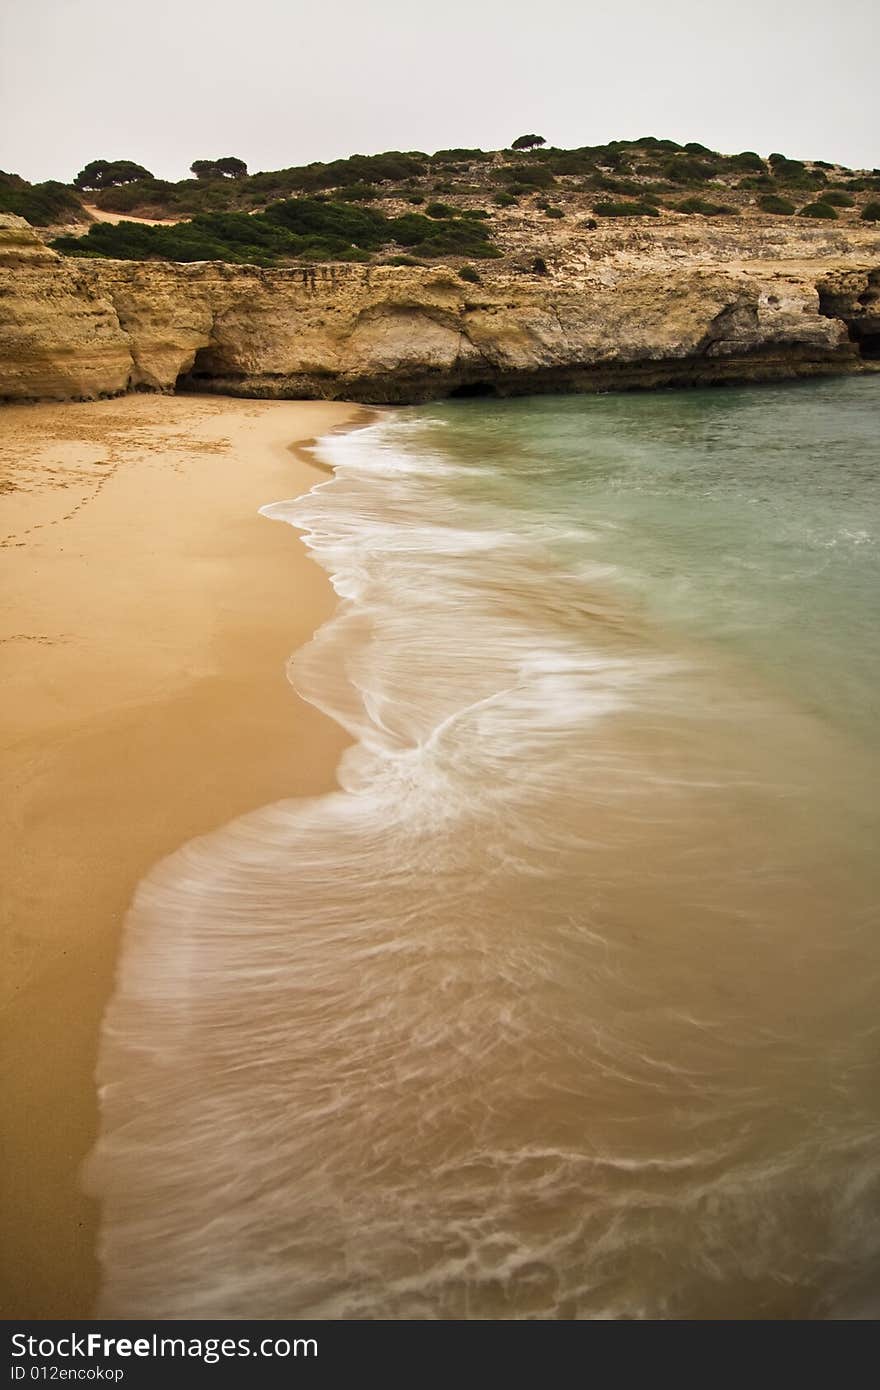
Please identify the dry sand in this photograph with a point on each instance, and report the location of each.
(148, 614)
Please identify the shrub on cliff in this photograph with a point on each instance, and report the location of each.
(795, 174)
(358, 193)
(554, 212)
(467, 272)
(686, 169)
(439, 237)
(306, 228)
(771, 202)
(606, 183)
(41, 204)
(748, 160)
(871, 212)
(504, 200)
(701, 206)
(439, 210)
(625, 210)
(308, 217)
(837, 198)
(866, 185)
(150, 197)
(526, 176)
(232, 237)
(821, 210)
(461, 157)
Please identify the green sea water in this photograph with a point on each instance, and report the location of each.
(746, 519)
(565, 1003)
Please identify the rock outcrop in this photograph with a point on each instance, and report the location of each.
(624, 307)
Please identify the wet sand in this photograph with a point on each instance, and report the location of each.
(148, 615)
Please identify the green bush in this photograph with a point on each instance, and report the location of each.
(818, 210)
(701, 206)
(337, 221)
(461, 157)
(686, 169)
(358, 193)
(771, 202)
(439, 210)
(871, 212)
(554, 212)
(650, 142)
(836, 198)
(468, 273)
(152, 197)
(416, 199)
(401, 260)
(298, 227)
(526, 175)
(504, 200)
(747, 160)
(795, 174)
(625, 210)
(607, 184)
(439, 237)
(41, 204)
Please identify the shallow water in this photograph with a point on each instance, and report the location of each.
(565, 1005)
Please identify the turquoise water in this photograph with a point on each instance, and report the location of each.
(747, 518)
(564, 1005)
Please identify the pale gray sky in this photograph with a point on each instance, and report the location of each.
(281, 82)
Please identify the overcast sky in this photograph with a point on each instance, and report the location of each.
(281, 82)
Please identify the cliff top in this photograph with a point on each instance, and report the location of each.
(453, 206)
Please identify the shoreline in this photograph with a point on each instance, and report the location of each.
(151, 611)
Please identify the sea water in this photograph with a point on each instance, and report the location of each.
(565, 1004)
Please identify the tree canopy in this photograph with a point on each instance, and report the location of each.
(107, 173)
(528, 142)
(226, 168)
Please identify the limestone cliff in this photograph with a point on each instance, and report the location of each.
(621, 307)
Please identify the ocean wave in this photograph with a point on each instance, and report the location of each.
(508, 1025)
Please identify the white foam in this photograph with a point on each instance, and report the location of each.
(427, 1046)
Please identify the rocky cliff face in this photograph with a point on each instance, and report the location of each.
(621, 307)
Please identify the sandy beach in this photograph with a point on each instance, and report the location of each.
(148, 615)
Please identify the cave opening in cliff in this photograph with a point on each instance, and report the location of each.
(869, 346)
(473, 388)
(202, 370)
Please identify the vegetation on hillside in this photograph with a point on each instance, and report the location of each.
(41, 204)
(299, 227)
(226, 168)
(641, 170)
(108, 173)
(430, 205)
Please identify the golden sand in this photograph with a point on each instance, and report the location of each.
(148, 614)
